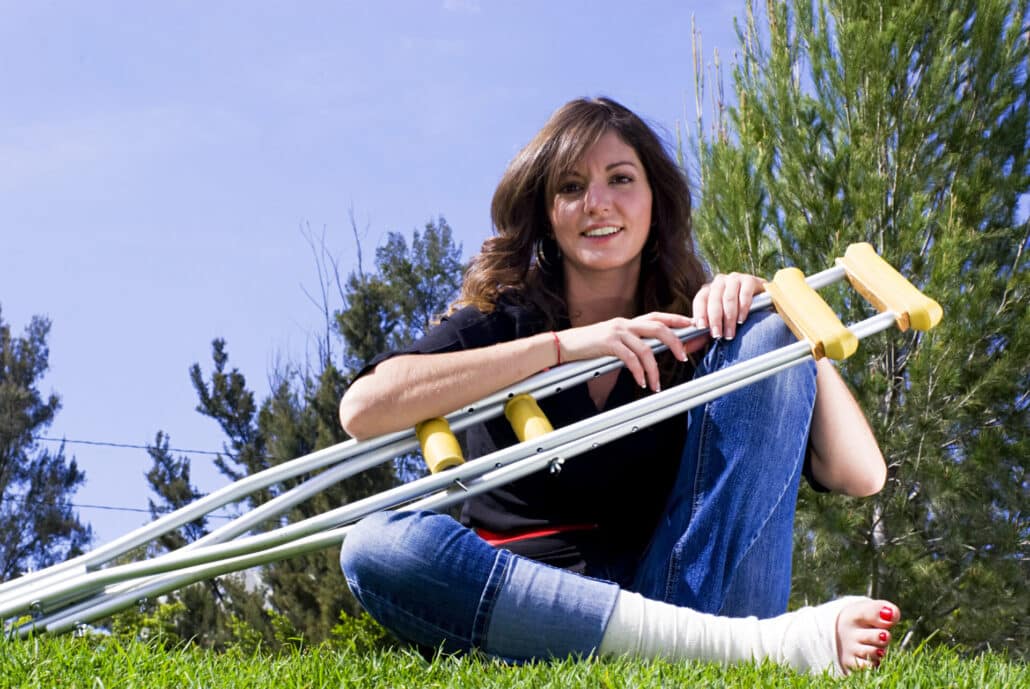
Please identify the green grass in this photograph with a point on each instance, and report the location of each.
(105, 662)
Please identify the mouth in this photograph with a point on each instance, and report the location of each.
(606, 231)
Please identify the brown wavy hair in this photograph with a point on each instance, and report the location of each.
(522, 257)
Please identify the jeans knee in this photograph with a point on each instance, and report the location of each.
(374, 544)
(763, 332)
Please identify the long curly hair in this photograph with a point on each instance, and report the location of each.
(522, 257)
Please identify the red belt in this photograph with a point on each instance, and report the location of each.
(497, 539)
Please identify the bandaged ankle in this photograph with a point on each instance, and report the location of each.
(804, 639)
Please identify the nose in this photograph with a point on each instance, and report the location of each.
(597, 199)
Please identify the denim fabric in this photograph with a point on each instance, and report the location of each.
(724, 545)
(431, 581)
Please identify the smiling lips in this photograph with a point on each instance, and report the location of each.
(605, 231)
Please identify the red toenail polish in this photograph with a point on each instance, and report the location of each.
(880, 652)
(886, 614)
(883, 636)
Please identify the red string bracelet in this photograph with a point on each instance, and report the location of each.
(557, 347)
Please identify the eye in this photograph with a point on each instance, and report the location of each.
(621, 179)
(570, 187)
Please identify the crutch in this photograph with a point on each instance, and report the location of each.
(353, 457)
(795, 305)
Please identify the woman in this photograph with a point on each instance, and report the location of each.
(670, 542)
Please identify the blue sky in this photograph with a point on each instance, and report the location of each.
(158, 161)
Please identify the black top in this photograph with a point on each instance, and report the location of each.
(620, 489)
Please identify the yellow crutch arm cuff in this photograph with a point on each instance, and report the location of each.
(887, 289)
(809, 317)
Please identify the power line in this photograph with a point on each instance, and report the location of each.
(129, 446)
(111, 508)
(135, 509)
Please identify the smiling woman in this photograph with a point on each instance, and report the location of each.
(651, 536)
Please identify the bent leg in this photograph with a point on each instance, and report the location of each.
(431, 581)
(724, 544)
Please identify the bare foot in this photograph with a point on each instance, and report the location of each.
(863, 633)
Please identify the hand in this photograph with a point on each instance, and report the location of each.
(624, 338)
(724, 303)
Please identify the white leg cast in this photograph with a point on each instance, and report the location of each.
(805, 639)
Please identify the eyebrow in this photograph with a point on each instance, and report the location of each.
(606, 167)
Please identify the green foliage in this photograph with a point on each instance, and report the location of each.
(903, 124)
(98, 661)
(305, 595)
(361, 634)
(397, 303)
(38, 526)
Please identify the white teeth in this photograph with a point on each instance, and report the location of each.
(601, 231)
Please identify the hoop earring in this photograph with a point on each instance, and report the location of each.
(548, 254)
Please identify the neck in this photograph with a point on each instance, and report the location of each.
(593, 297)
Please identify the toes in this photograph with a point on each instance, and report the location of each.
(861, 662)
(877, 614)
(888, 614)
(875, 638)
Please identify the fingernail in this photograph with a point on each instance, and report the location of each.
(886, 614)
(740, 322)
(657, 387)
(880, 652)
(883, 636)
(716, 333)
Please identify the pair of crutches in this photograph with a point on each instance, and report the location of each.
(83, 589)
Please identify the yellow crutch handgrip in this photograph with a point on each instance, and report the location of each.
(809, 317)
(888, 290)
(440, 449)
(526, 418)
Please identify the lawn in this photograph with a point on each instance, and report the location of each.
(104, 662)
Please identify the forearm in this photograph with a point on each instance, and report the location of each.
(845, 455)
(407, 389)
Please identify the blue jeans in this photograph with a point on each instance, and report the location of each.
(723, 545)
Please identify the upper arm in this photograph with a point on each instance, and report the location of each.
(845, 456)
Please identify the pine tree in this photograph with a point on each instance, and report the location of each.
(384, 309)
(903, 124)
(38, 526)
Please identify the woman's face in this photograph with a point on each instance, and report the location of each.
(601, 214)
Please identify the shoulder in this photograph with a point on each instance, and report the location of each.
(511, 317)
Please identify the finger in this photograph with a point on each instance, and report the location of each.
(646, 357)
(730, 305)
(663, 333)
(714, 305)
(749, 287)
(632, 362)
(670, 320)
(699, 307)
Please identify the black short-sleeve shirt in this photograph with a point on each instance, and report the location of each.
(616, 493)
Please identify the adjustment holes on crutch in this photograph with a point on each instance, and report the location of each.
(634, 429)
